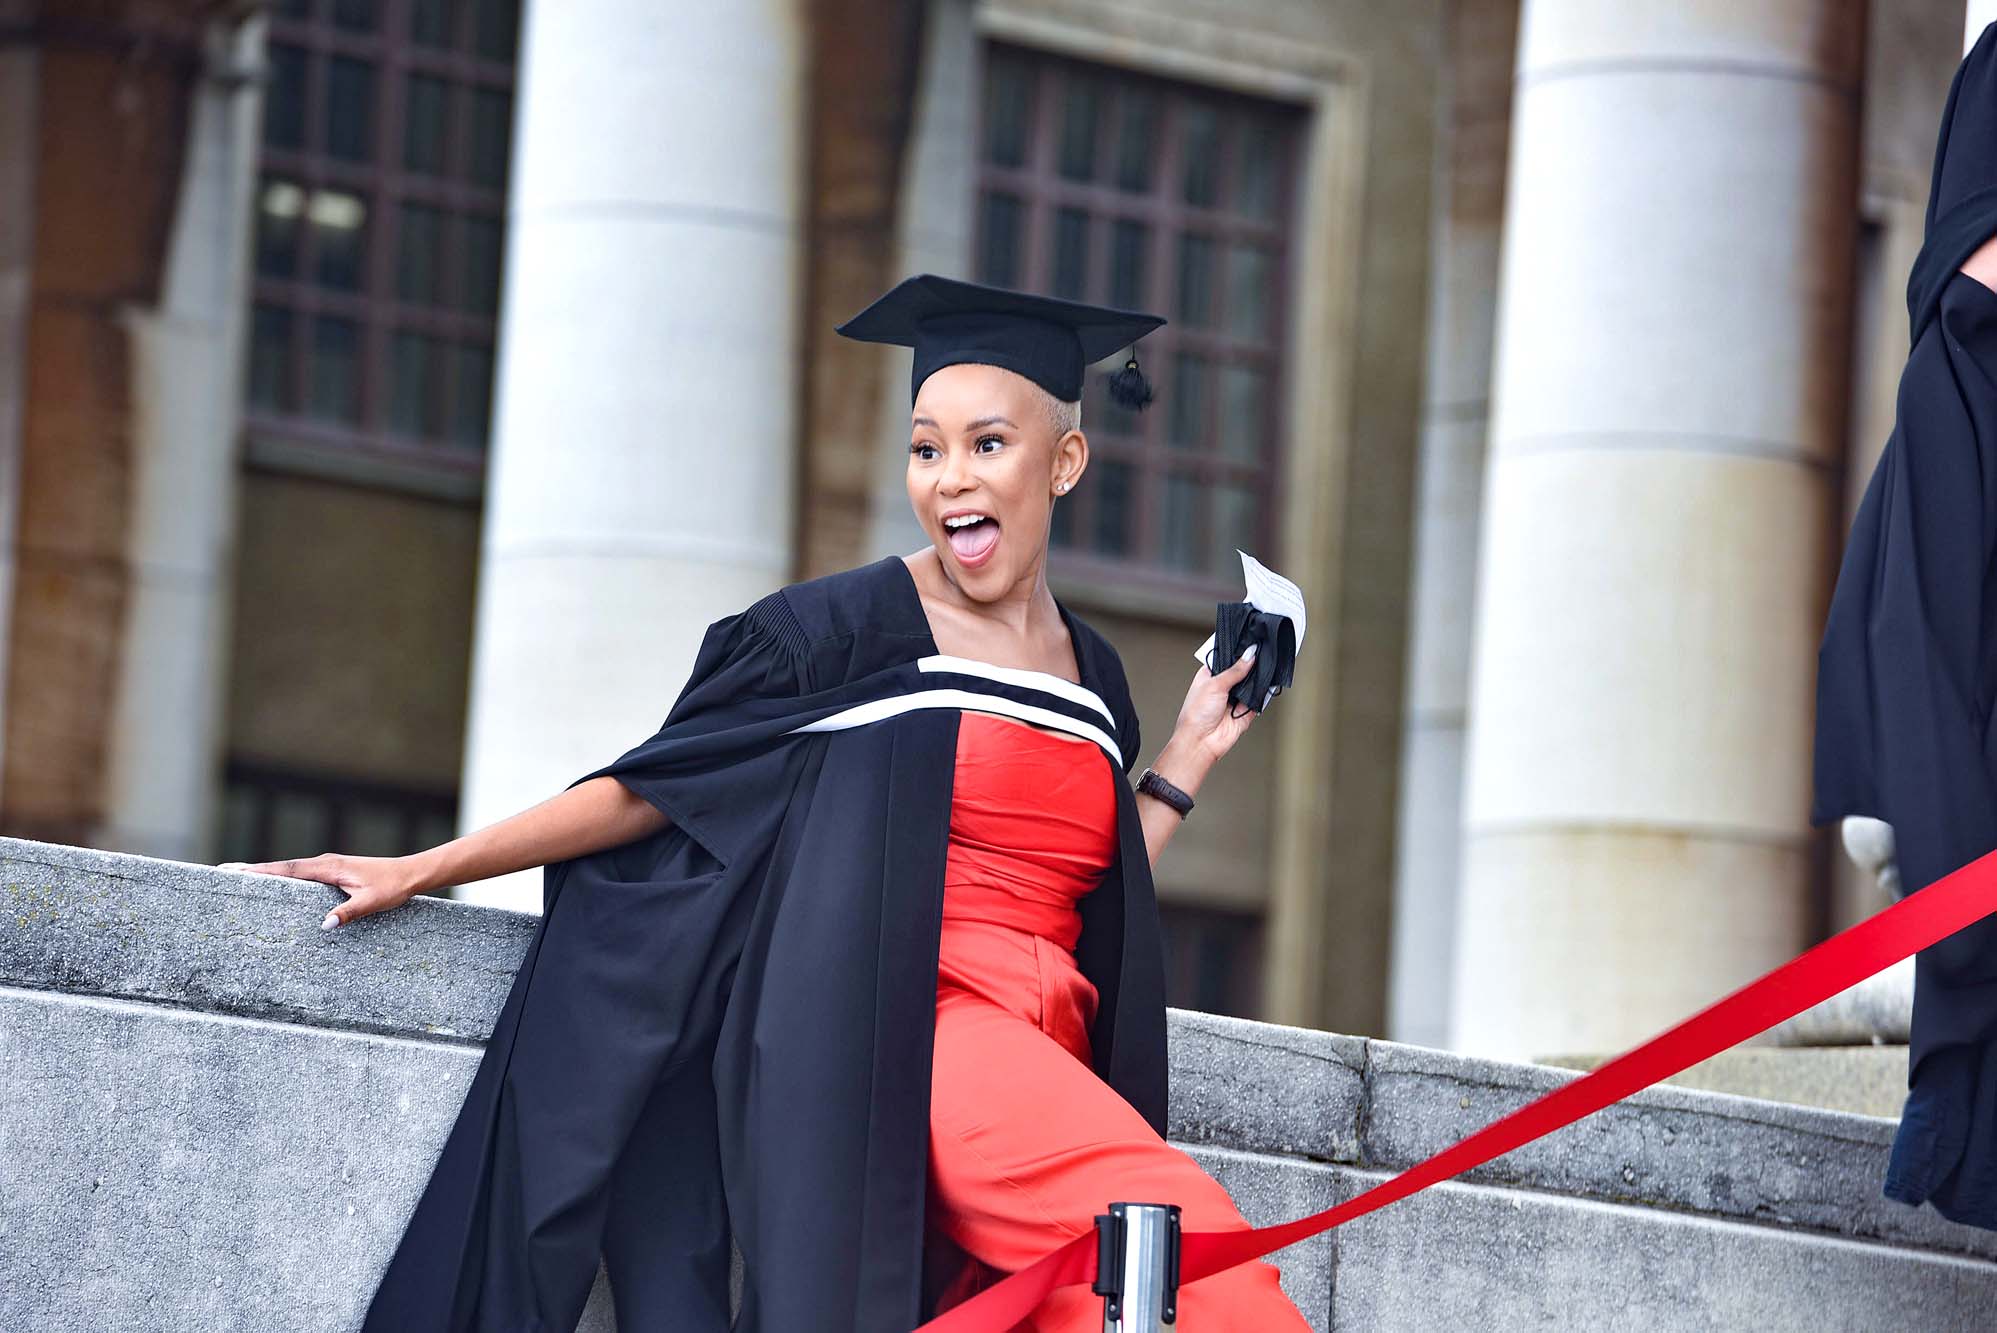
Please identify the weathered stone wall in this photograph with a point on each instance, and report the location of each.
(215, 1116)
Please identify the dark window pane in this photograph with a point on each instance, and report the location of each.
(495, 28)
(336, 385)
(237, 841)
(339, 226)
(432, 829)
(1192, 380)
(478, 284)
(430, 22)
(284, 98)
(1199, 152)
(425, 124)
(471, 412)
(1100, 413)
(413, 404)
(280, 209)
(1212, 959)
(1129, 245)
(298, 824)
(998, 256)
(1008, 110)
(492, 120)
(1061, 522)
(1178, 543)
(1081, 107)
(374, 830)
(1244, 413)
(1195, 279)
(270, 359)
(1233, 529)
(1113, 507)
(1249, 274)
(419, 268)
(1256, 192)
(356, 15)
(350, 109)
(1071, 254)
(1136, 137)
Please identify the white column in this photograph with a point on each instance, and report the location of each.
(1977, 15)
(938, 194)
(166, 736)
(1468, 212)
(1670, 394)
(640, 484)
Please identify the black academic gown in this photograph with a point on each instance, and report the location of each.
(1907, 670)
(728, 1024)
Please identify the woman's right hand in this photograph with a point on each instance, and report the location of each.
(372, 883)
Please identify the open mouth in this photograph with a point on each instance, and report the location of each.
(973, 541)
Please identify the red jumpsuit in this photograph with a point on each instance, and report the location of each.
(1027, 1144)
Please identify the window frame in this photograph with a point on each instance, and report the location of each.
(376, 307)
(1043, 192)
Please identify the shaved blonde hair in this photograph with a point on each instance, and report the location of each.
(1062, 416)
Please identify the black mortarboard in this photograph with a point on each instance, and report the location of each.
(1048, 340)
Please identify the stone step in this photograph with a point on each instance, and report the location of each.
(218, 1117)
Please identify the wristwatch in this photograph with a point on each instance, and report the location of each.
(1152, 785)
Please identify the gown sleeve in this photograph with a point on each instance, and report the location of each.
(1906, 671)
(712, 764)
(590, 1129)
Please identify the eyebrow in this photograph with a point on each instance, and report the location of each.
(979, 424)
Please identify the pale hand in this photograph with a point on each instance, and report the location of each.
(1204, 723)
(372, 883)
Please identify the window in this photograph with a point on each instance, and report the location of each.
(1100, 185)
(1213, 958)
(380, 224)
(271, 814)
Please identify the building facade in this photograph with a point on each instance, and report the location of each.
(1546, 346)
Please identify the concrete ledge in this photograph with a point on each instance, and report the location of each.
(1865, 1080)
(133, 927)
(1462, 1257)
(218, 1116)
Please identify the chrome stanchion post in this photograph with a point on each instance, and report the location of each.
(1137, 1267)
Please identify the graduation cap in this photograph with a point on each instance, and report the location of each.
(1048, 340)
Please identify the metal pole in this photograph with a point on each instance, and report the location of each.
(1137, 1267)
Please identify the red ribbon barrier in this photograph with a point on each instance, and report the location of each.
(1922, 918)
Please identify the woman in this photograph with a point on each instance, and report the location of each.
(858, 957)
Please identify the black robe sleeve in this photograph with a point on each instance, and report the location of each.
(1906, 676)
(590, 1127)
(1908, 665)
(696, 768)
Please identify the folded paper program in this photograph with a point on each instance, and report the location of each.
(1272, 617)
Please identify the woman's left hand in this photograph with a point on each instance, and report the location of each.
(1205, 721)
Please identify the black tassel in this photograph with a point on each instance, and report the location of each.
(1128, 388)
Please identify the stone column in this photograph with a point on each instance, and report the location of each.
(1977, 15)
(164, 746)
(640, 484)
(1670, 392)
(1474, 118)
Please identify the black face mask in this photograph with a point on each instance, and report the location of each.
(1238, 624)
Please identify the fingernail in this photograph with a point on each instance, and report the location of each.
(1249, 652)
(332, 920)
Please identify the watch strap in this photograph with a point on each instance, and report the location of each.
(1151, 784)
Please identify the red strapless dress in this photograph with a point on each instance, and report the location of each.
(1027, 1144)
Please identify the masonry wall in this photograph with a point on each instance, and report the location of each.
(215, 1116)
